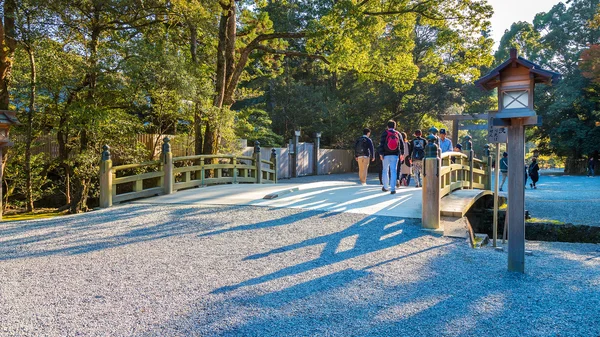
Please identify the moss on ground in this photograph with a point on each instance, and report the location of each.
(41, 214)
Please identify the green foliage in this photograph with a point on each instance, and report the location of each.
(558, 40)
(255, 125)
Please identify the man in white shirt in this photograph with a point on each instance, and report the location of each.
(445, 143)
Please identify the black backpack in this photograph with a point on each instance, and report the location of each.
(360, 148)
(418, 149)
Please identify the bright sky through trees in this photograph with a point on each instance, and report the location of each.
(508, 11)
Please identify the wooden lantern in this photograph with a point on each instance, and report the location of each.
(515, 80)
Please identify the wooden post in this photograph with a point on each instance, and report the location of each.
(202, 173)
(488, 168)
(455, 129)
(105, 178)
(274, 161)
(469, 145)
(235, 171)
(317, 147)
(431, 186)
(496, 181)
(257, 162)
(167, 157)
(516, 196)
(295, 154)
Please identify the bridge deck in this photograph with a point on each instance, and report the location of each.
(458, 203)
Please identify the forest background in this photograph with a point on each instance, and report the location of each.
(92, 72)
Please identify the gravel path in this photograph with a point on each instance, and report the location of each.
(177, 270)
(569, 199)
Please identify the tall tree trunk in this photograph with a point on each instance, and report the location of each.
(7, 50)
(224, 47)
(29, 135)
(197, 129)
(62, 137)
(81, 183)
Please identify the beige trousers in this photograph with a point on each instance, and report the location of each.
(363, 168)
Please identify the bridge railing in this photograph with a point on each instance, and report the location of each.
(456, 172)
(445, 173)
(168, 175)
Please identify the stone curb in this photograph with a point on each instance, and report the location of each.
(280, 193)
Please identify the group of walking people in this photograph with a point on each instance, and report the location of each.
(531, 171)
(397, 155)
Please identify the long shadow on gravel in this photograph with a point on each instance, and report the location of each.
(100, 230)
(371, 234)
(452, 291)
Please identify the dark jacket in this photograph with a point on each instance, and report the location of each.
(533, 170)
(367, 147)
(384, 151)
(412, 144)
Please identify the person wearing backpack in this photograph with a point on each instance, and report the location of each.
(391, 149)
(406, 164)
(363, 152)
(418, 154)
(533, 172)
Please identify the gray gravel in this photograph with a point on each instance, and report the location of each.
(565, 198)
(176, 270)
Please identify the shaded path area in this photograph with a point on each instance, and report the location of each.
(192, 270)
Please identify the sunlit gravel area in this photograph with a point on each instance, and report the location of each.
(181, 270)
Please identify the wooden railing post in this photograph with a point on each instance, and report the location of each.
(431, 186)
(234, 170)
(488, 168)
(167, 158)
(471, 155)
(274, 161)
(257, 162)
(106, 192)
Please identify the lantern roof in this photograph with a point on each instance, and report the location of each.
(8, 117)
(540, 75)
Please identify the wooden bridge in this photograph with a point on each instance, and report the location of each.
(170, 174)
(453, 183)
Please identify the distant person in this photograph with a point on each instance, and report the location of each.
(525, 175)
(363, 153)
(391, 149)
(445, 143)
(457, 148)
(591, 166)
(533, 172)
(405, 165)
(417, 156)
(504, 168)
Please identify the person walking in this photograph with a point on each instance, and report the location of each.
(363, 153)
(391, 149)
(591, 166)
(533, 172)
(504, 168)
(405, 165)
(457, 148)
(525, 174)
(445, 143)
(417, 156)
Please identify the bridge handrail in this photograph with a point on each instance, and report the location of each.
(450, 171)
(165, 177)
